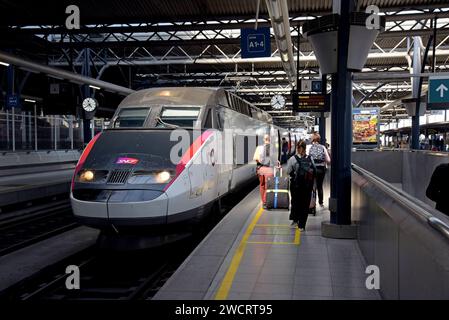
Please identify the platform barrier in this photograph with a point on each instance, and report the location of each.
(406, 238)
(410, 170)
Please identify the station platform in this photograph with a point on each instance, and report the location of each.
(30, 186)
(256, 254)
(24, 263)
(26, 176)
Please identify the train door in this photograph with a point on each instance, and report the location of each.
(209, 173)
(224, 152)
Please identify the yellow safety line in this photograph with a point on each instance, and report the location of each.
(226, 283)
(262, 242)
(296, 241)
(276, 225)
(297, 237)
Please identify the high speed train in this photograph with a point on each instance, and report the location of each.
(168, 158)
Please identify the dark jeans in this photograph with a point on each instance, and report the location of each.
(320, 174)
(300, 203)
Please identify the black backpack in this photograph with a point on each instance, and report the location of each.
(304, 174)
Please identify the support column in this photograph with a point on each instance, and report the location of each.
(11, 91)
(86, 94)
(341, 119)
(322, 118)
(416, 68)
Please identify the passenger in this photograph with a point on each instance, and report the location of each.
(321, 158)
(302, 171)
(284, 151)
(438, 189)
(264, 162)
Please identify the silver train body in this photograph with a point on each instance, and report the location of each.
(132, 179)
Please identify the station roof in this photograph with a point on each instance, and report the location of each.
(27, 12)
(155, 43)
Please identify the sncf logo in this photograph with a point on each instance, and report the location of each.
(126, 160)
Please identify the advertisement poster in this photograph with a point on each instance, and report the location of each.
(365, 126)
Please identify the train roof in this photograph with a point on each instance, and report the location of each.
(174, 95)
(182, 96)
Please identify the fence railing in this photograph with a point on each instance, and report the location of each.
(23, 131)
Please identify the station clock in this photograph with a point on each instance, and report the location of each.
(89, 104)
(278, 102)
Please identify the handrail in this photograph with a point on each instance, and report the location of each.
(418, 210)
(433, 153)
(439, 225)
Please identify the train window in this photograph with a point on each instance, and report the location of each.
(208, 122)
(178, 117)
(131, 117)
(220, 117)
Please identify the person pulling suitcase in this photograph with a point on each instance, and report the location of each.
(302, 171)
(277, 191)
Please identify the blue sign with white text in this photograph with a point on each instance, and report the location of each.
(438, 93)
(12, 101)
(255, 43)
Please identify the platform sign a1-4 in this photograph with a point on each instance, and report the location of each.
(12, 101)
(255, 43)
(438, 98)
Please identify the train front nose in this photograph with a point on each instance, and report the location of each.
(120, 209)
(120, 183)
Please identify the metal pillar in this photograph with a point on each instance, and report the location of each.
(417, 94)
(11, 90)
(416, 68)
(56, 130)
(35, 128)
(86, 94)
(322, 118)
(341, 118)
(71, 131)
(30, 136)
(23, 129)
(7, 129)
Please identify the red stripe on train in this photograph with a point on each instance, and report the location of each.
(188, 155)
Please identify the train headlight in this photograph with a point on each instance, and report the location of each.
(87, 176)
(151, 177)
(163, 176)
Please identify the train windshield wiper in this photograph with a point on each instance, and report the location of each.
(165, 124)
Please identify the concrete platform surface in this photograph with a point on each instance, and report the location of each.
(255, 254)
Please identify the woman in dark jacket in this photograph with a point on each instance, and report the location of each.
(302, 171)
(438, 189)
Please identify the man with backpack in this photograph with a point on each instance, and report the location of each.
(302, 171)
(321, 158)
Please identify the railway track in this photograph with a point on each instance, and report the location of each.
(103, 276)
(27, 226)
(112, 275)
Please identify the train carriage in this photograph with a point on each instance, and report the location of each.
(168, 158)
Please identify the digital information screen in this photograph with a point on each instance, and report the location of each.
(311, 103)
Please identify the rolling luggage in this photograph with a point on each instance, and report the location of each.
(277, 195)
(312, 206)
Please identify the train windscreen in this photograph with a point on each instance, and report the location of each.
(131, 118)
(182, 117)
